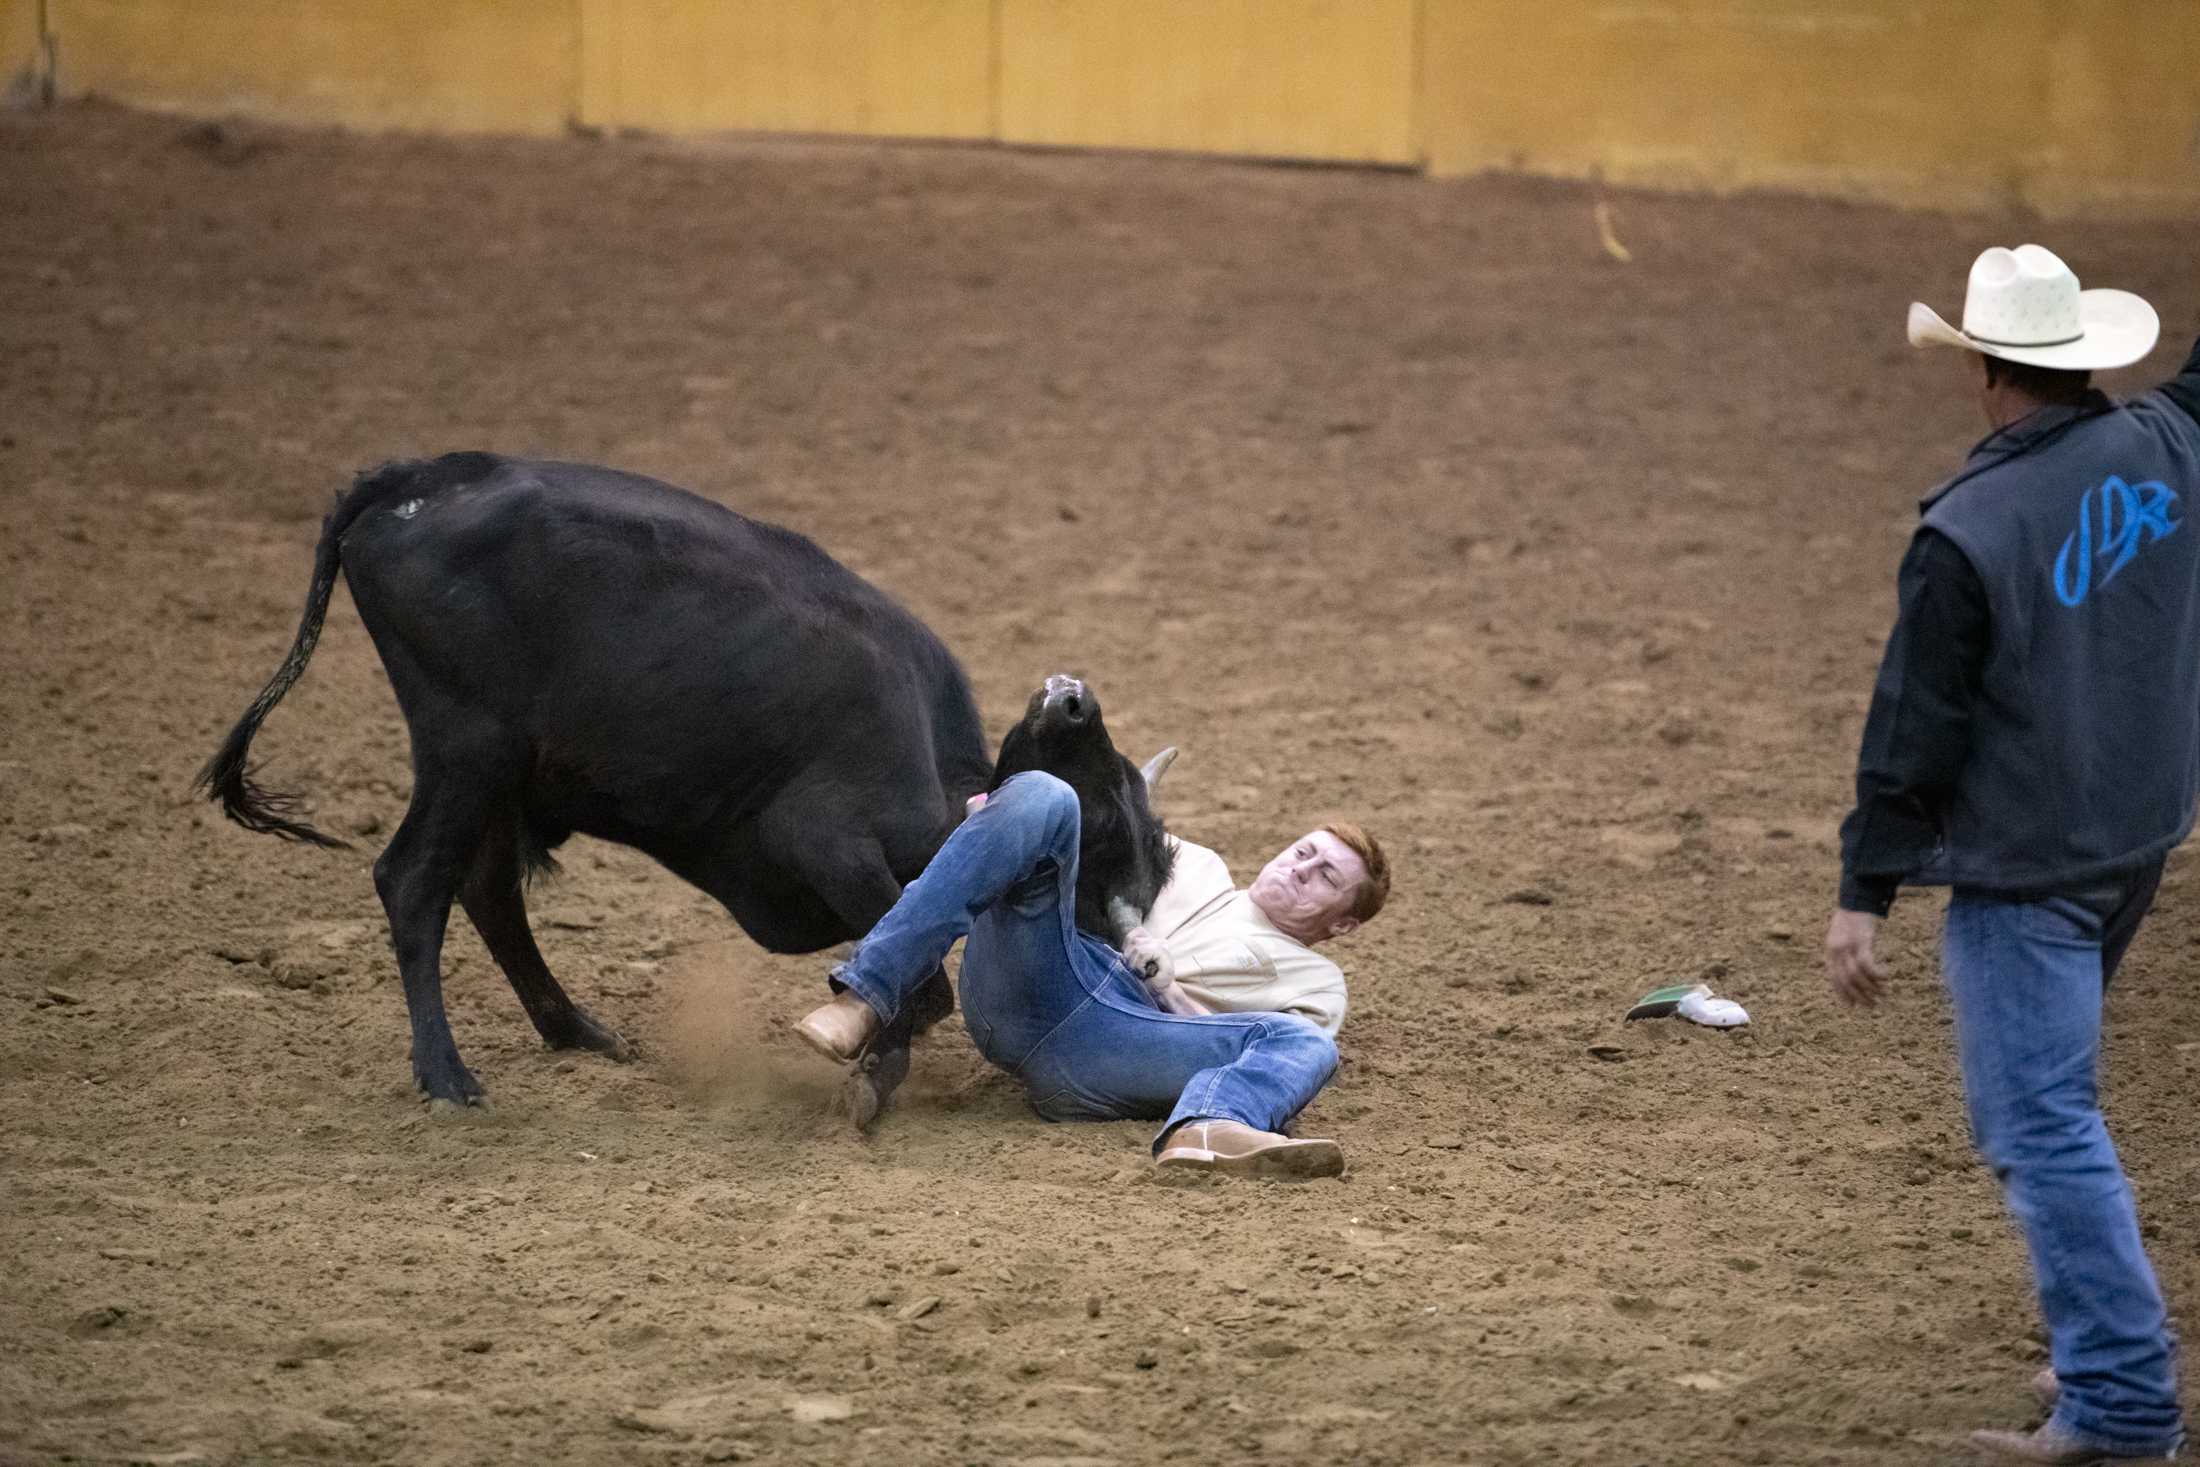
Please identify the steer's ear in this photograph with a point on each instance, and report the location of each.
(1157, 766)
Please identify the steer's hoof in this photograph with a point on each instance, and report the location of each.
(451, 1086)
(872, 1081)
(860, 1098)
(599, 1038)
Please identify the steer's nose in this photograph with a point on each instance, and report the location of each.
(1068, 699)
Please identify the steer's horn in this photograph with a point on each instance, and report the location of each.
(1157, 766)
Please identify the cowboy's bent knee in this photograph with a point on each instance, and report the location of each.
(1039, 792)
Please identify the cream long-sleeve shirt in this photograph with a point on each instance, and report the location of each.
(1231, 958)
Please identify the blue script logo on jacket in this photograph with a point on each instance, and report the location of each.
(2131, 516)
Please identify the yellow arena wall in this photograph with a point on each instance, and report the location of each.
(876, 68)
(1313, 79)
(2054, 104)
(433, 65)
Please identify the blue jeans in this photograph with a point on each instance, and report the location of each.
(1056, 1007)
(2028, 977)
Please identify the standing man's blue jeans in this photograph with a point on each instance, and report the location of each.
(2028, 978)
(1056, 1007)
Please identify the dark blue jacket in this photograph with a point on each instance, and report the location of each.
(2036, 724)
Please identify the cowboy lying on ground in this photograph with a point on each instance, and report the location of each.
(1229, 1038)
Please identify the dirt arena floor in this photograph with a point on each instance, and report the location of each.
(1384, 498)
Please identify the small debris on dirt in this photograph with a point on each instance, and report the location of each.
(1703, 1381)
(130, 1255)
(1528, 896)
(295, 973)
(1147, 1359)
(918, 1308)
(1448, 1141)
(1092, 1306)
(570, 921)
(1611, 1054)
(92, 1321)
(64, 995)
(820, 1408)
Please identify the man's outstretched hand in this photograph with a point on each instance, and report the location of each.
(1857, 975)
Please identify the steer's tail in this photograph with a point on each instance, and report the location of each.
(227, 779)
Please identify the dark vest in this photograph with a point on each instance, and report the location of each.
(2085, 749)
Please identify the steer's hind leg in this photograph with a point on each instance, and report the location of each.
(497, 906)
(417, 876)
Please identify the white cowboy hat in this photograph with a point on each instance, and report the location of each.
(2024, 305)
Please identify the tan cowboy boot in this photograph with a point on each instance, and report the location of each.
(839, 1030)
(1227, 1146)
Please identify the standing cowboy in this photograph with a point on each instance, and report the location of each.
(2034, 743)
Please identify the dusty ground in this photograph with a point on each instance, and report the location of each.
(1384, 498)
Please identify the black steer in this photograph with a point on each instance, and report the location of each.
(579, 649)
